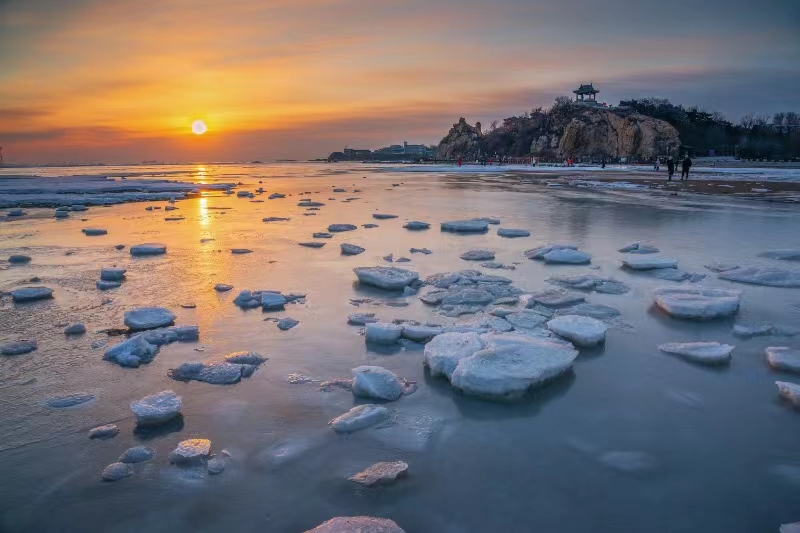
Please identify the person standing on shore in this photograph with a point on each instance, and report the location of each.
(655, 165)
(687, 164)
(670, 168)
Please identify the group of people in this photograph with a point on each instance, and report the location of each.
(686, 165)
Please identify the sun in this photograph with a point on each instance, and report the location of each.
(199, 127)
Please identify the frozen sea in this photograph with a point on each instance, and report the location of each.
(633, 440)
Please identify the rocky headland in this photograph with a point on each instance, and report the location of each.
(566, 131)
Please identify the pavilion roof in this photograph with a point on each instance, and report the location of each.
(586, 89)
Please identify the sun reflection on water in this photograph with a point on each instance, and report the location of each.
(202, 206)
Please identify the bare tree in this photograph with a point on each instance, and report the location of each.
(748, 121)
(562, 101)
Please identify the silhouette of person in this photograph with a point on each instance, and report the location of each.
(687, 164)
(670, 168)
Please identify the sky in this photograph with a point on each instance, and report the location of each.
(117, 81)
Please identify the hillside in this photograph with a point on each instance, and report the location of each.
(566, 131)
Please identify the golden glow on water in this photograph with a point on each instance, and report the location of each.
(202, 207)
(202, 174)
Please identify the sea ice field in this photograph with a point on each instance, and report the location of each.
(269, 347)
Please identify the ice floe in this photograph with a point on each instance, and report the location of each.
(475, 225)
(116, 471)
(19, 347)
(383, 332)
(769, 276)
(639, 248)
(149, 318)
(567, 256)
(157, 409)
(376, 382)
(783, 358)
(582, 331)
(416, 225)
(539, 252)
(150, 248)
(591, 282)
(357, 524)
(338, 228)
(104, 432)
(137, 454)
(351, 249)
(380, 473)
(191, 452)
(698, 303)
(478, 254)
(790, 391)
(112, 274)
(712, 353)
(360, 417)
(28, 294)
(513, 233)
(361, 319)
(784, 254)
(387, 278)
(74, 329)
(649, 263)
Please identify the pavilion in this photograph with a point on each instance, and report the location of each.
(586, 94)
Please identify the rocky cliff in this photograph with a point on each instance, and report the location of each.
(462, 140)
(603, 133)
(566, 131)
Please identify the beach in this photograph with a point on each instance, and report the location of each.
(627, 438)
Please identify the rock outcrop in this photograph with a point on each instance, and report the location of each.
(604, 133)
(462, 140)
(565, 131)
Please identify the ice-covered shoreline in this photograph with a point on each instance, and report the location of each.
(34, 191)
(708, 173)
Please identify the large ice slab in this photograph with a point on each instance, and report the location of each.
(769, 276)
(510, 365)
(698, 302)
(580, 330)
(387, 278)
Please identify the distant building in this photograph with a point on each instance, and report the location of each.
(416, 149)
(586, 94)
(355, 154)
(394, 152)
